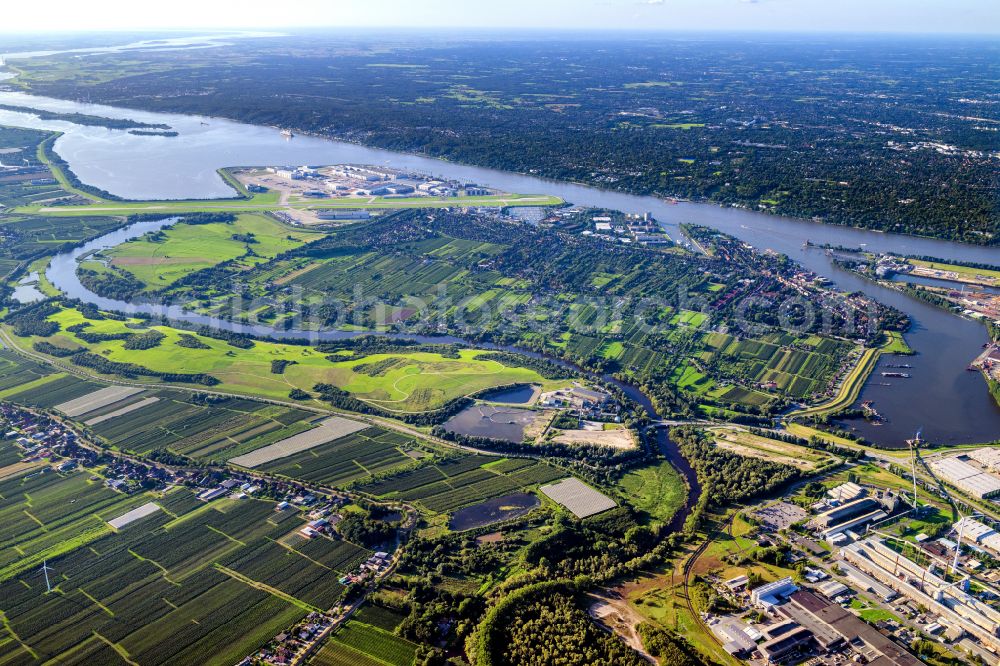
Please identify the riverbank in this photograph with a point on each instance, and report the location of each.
(850, 388)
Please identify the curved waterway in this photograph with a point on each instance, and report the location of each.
(62, 273)
(948, 403)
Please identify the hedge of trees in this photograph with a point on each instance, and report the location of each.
(33, 319)
(133, 370)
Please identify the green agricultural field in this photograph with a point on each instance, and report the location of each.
(210, 432)
(208, 586)
(377, 643)
(184, 248)
(658, 490)
(335, 653)
(45, 514)
(849, 389)
(460, 481)
(18, 373)
(406, 382)
(349, 458)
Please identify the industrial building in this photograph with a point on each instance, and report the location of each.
(867, 583)
(967, 478)
(849, 516)
(737, 641)
(832, 589)
(949, 601)
(846, 492)
(361, 173)
(984, 536)
(782, 646)
(343, 214)
(840, 514)
(833, 627)
(769, 595)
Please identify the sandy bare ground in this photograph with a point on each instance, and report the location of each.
(492, 537)
(537, 427)
(615, 615)
(17, 468)
(748, 452)
(615, 439)
(285, 279)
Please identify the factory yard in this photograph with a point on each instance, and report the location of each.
(955, 273)
(596, 434)
(846, 570)
(298, 184)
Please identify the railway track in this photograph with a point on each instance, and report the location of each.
(686, 573)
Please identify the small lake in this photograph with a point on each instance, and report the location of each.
(503, 423)
(27, 290)
(514, 395)
(493, 511)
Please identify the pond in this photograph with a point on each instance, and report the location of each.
(493, 511)
(503, 423)
(512, 395)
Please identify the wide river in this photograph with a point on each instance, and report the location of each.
(948, 403)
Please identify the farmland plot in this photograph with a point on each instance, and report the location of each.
(461, 481)
(154, 591)
(96, 400)
(331, 429)
(352, 457)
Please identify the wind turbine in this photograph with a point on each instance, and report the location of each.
(45, 570)
(961, 532)
(914, 444)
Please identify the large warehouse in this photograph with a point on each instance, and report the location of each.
(954, 606)
(967, 478)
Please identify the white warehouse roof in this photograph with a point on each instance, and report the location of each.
(954, 469)
(967, 478)
(973, 530)
(846, 492)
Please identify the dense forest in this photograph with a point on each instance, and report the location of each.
(726, 477)
(849, 133)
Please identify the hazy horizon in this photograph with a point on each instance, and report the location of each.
(957, 17)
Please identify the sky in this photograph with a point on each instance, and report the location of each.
(898, 16)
